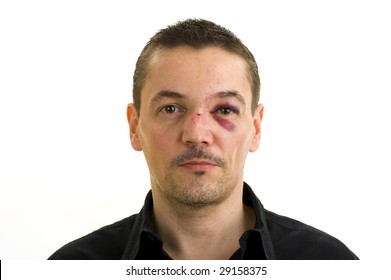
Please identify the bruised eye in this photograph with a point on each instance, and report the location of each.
(226, 111)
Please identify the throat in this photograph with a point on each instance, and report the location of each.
(206, 249)
(206, 236)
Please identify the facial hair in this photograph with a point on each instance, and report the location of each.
(197, 190)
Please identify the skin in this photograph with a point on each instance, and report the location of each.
(195, 127)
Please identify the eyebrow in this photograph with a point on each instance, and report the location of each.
(231, 93)
(166, 94)
(176, 95)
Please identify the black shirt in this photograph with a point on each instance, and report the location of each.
(273, 237)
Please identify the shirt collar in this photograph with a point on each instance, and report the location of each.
(255, 243)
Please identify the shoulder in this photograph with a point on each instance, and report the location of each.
(105, 243)
(295, 240)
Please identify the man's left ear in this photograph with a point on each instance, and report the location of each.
(258, 115)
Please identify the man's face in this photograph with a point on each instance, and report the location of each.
(195, 124)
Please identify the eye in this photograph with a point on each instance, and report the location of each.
(226, 111)
(170, 109)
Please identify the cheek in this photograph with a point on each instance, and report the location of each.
(225, 123)
(148, 137)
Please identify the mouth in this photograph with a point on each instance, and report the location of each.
(198, 165)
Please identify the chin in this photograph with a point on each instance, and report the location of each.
(200, 195)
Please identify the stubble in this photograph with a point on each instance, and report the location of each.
(198, 189)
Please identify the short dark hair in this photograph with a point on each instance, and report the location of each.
(196, 33)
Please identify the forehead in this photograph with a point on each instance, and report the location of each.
(196, 72)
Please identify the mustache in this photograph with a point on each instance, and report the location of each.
(197, 153)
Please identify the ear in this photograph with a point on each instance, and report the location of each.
(133, 127)
(258, 115)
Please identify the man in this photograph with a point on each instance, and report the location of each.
(196, 116)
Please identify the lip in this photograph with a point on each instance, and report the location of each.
(198, 165)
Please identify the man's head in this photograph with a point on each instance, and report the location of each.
(195, 33)
(195, 118)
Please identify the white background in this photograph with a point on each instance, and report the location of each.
(66, 164)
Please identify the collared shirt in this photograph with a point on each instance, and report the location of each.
(273, 237)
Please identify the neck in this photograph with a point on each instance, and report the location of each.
(207, 232)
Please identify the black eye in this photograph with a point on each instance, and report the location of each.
(226, 111)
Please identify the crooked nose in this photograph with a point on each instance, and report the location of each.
(197, 130)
